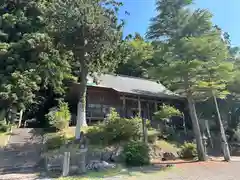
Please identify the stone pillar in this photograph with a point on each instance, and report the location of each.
(66, 164)
(82, 160)
(20, 118)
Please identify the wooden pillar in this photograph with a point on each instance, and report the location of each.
(124, 106)
(90, 118)
(139, 107)
(156, 106)
(148, 111)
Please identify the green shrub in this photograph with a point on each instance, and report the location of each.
(115, 130)
(96, 134)
(55, 141)
(136, 153)
(188, 150)
(59, 117)
(122, 129)
(4, 127)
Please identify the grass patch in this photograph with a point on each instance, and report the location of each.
(125, 173)
(70, 132)
(4, 136)
(96, 175)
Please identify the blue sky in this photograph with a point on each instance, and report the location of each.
(226, 15)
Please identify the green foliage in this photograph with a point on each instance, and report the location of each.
(122, 129)
(113, 114)
(59, 117)
(148, 124)
(141, 51)
(115, 130)
(188, 150)
(136, 153)
(96, 135)
(175, 20)
(192, 46)
(55, 141)
(29, 59)
(166, 112)
(90, 30)
(4, 127)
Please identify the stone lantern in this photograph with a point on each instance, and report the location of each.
(204, 140)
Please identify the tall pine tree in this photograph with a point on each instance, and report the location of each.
(189, 41)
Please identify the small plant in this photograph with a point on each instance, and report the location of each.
(136, 153)
(113, 115)
(188, 150)
(59, 117)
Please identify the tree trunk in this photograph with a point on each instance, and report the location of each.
(200, 148)
(184, 124)
(225, 147)
(81, 107)
(209, 133)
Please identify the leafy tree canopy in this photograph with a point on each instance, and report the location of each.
(166, 112)
(28, 57)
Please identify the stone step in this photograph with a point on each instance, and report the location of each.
(22, 169)
(22, 152)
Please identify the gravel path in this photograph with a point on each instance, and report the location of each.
(198, 171)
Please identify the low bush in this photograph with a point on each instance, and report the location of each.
(60, 116)
(4, 127)
(96, 135)
(119, 129)
(188, 150)
(136, 153)
(55, 142)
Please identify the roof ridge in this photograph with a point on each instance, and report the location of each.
(134, 77)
